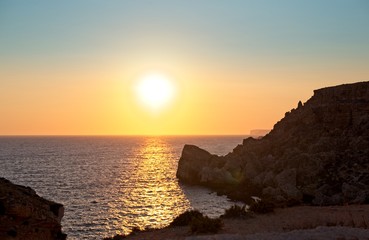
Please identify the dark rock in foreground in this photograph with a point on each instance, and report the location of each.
(318, 153)
(25, 215)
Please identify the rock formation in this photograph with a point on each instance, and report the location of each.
(25, 215)
(318, 153)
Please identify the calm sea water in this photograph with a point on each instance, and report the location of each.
(109, 185)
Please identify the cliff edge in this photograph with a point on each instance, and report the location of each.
(25, 215)
(318, 153)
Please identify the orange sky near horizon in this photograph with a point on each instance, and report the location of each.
(106, 104)
(237, 66)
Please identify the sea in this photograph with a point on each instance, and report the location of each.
(111, 184)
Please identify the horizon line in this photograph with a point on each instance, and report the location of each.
(120, 135)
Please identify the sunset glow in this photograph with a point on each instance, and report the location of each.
(171, 67)
(155, 91)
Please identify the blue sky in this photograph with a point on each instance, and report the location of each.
(270, 30)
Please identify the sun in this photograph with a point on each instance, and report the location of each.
(155, 91)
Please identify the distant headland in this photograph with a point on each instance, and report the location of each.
(259, 132)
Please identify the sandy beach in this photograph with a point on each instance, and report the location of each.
(300, 222)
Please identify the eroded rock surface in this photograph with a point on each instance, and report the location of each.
(318, 153)
(25, 215)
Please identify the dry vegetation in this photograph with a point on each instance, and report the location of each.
(280, 220)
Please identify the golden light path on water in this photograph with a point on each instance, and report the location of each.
(109, 185)
(154, 199)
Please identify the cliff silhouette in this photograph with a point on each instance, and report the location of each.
(25, 215)
(317, 154)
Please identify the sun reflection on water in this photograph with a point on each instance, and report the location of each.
(150, 197)
(109, 185)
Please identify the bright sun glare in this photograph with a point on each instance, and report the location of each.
(155, 91)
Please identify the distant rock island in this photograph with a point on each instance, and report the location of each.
(25, 215)
(259, 132)
(317, 154)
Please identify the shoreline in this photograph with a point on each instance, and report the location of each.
(316, 219)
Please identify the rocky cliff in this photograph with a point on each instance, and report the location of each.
(318, 153)
(25, 215)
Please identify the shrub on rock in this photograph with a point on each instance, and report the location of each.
(236, 212)
(261, 207)
(185, 218)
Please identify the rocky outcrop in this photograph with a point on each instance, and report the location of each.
(318, 153)
(25, 215)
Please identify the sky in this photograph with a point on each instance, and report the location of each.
(71, 67)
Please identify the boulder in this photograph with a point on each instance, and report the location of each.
(25, 215)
